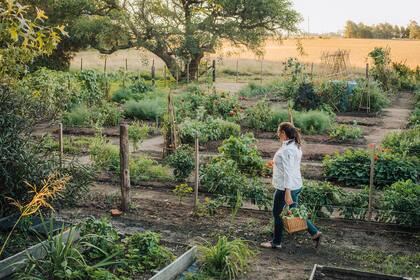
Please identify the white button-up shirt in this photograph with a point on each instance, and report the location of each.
(286, 167)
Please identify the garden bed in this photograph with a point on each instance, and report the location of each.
(320, 272)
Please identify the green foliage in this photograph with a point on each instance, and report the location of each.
(296, 212)
(253, 90)
(400, 203)
(244, 152)
(313, 122)
(144, 253)
(355, 204)
(306, 98)
(137, 132)
(405, 76)
(73, 145)
(406, 142)
(137, 91)
(182, 161)
(335, 94)
(321, 197)
(105, 114)
(92, 84)
(147, 109)
(381, 71)
(145, 169)
(104, 155)
(378, 99)
(352, 168)
(181, 191)
(226, 259)
(209, 130)
(345, 132)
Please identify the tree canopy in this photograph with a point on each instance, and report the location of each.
(381, 31)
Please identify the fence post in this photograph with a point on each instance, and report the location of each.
(261, 71)
(214, 71)
(237, 70)
(197, 171)
(153, 72)
(106, 77)
(124, 167)
(312, 71)
(188, 72)
(60, 143)
(371, 178)
(81, 64)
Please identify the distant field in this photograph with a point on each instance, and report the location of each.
(401, 50)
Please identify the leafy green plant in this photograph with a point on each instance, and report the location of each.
(400, 202)
(363, 89)
(352, 168)
(306, 98)
(105, 114)
(335, 94)
(345, 132)
(354, 205)
(137, 132)
(226, 259)
(320, 197)
(144, 253)
(406, 142)
(182, 160)
(313, 122)
(295, 212)
(209, 130)
(104, 155)
(147, 109)
(244, 152)
(253, 90)
(181, 191)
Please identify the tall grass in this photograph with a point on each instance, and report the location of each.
(147, 109)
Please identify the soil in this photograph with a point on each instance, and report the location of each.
(159, 211)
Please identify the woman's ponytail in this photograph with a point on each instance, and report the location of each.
(291, 132)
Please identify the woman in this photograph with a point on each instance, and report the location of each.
(287, 181)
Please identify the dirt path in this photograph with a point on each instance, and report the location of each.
(394, 118)
(229, 87)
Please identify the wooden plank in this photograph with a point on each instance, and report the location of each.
(15, 262)
(178, 266)
(343, 273)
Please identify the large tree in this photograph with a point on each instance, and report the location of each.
(185, 30)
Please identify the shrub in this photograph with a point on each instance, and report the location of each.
(225, 260)
(352, 168)
(306, 98)
(105, 114)
(137, 132)
(313, 122)
(355, 204)
(406, 142)
(144, 169)
(181, 191)
(320, 197)
(405, 76)
(252, 90)
(209, 130)
(400, 203)
(260, 116)
(92, 92)
(346, 132)
(104, 155)
(79, 116)
(378, 99)
(182, 161)
(223, 177)
(243, 151)
(147, 109)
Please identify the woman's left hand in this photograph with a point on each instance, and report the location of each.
(288, 197)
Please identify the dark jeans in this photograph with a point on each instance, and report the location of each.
(278, 206)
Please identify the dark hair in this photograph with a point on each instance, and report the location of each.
(291, 132)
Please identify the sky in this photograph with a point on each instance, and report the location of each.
(331, 15)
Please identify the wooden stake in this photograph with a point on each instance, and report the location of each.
(81, 64)
(60, 143)
(214, 71)
(106, 78)
(261, 71)
(197, 171)
(367, 71)
(126, 64)
(124, 168)
(153, 70)
(237, 71)
(371, 178)
(188, 72)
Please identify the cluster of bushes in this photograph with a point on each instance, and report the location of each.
(196, 103)
(106, 157)
(100, 253)
(227, 174)
(263, 117)
(105, 114)
(398, 202)
(415, 115)
(147, 109)
(211, 129)
(405, 142)
(352, 168)
(345, 132)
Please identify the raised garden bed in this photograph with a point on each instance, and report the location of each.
(320, 272)
(181, 264)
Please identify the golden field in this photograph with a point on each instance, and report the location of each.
(274, 54)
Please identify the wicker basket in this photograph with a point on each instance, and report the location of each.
(294, 224)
